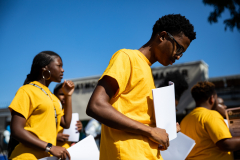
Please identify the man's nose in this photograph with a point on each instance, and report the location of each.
(178, 57)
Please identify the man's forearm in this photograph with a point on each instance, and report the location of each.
(229, 144)
(106, 114)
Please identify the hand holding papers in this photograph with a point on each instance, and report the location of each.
(165, 110)
(86, 149)
(179, 148)
(72, 132)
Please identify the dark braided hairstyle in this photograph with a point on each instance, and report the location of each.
(174, 24)
(40, 60)
(202, 91)
(180, 83)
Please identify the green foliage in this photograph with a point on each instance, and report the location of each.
(233, 6)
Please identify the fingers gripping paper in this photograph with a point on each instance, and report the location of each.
(179, 148)
(86, 149)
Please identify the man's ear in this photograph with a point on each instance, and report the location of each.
(162, 35)
(211, 100)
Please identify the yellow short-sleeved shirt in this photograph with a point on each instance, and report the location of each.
(131, 69)
(206, 127)
(38, 109)
(64, 144)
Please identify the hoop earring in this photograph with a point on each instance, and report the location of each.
(44, 76)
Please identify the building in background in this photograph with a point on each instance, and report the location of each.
(228, 88)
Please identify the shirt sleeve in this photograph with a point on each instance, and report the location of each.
(217, 128)
(21, 103)
(119, 68)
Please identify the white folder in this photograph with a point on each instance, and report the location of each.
(86, 149)
(178, 148)
(165, 110)
(72, 131)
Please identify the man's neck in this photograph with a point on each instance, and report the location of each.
(147, 51)
(204, 105)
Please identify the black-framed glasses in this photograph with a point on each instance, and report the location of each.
(180, 48)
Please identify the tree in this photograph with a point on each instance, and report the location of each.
(233, 6)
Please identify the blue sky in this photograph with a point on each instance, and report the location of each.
(86, 34)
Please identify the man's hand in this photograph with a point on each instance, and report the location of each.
(62, 137)
(60, 152)
(160, 136)
(68, 88)
(79, 126)
(178, 127)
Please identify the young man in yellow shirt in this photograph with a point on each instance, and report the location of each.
(207, 127)
(122, 100)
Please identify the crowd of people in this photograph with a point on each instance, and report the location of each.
(122, 103)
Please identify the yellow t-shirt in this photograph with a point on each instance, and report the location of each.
(206, 127)
(131, 69)
(38, 109)
(64, 144)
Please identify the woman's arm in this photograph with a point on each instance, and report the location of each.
(68, 88)
(27, 138)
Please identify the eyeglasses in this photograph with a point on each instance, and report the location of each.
(180, 48)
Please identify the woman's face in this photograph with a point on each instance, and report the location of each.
(55, 67)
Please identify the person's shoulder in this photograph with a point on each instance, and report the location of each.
(215, 114)
(125, 52)
(55, 98)
(186, 118)
(196, 113)
(210, 115)
(26, 88)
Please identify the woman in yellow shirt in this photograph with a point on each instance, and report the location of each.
(36, 112)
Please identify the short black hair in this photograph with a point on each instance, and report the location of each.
(202, 91)
(180, 83)
(56, 88)
(174, 24)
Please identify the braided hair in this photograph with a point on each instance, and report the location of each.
(40, 60)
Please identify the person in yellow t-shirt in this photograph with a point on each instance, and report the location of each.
(122, 100)
(36, 112)
(62, 139)
(207, 127)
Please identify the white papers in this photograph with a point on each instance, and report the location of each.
(226, 121)
(165, 110)
(86, 149)
(72, 132)
(178, 148)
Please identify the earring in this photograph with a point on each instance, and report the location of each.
(44, 76)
